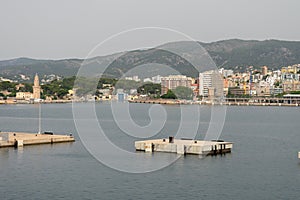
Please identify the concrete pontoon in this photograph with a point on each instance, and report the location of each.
(19, 139)
(184, 146)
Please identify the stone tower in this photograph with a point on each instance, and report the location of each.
(36, 87)
(264, 70)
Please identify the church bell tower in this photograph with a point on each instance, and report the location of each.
(36, 87)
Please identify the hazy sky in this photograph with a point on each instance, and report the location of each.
(69, 28)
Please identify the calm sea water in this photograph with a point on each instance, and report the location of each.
(262, 165)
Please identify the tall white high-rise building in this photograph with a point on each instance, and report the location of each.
(211, 81)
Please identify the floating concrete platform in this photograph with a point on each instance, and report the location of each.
(19, 139)
(184, 146)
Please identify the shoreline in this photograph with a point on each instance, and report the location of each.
(166, 102)
(184, 102)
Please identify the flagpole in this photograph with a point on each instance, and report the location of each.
(40, 121)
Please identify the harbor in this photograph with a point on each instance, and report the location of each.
(20, 139)
(184, 146)
(259, 153)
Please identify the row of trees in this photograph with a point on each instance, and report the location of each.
(87, 86)
(180, 92)
(58, 89)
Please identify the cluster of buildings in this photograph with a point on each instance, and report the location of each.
(217, 84)
(31, 96)
(263, 82)
(209, 85)
(22, 94)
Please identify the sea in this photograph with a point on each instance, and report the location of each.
(263, 163)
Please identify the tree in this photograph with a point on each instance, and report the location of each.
(170, 95)
(295, 92)
(183, 92)
(6, 85)
(27, 88)
(277, 83)
(58, 88)
(68, 83)
(62, 92)
(104, 80)
(149, 88)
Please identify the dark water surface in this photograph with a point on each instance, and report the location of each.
(262, 165)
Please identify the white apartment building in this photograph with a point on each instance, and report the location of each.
(211, 81)
(173, 81)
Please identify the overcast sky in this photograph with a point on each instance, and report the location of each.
(68, 28)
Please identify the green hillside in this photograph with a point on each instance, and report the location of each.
(230, 54)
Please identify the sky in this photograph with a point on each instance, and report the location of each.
(58, 29)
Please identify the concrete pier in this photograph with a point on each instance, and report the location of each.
(254, 101)
(183, 146)
(19, 139)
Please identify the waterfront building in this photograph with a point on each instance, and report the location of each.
(290, 76)
(236, 91)
(289, 86)
(24, 96)
(121, 95)
(173, 81)
(291, 98)
(289, 69)
(263, 90)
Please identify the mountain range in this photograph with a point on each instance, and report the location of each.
(229, 54)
